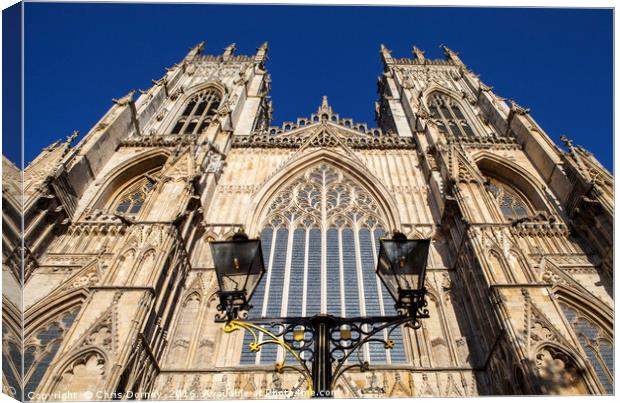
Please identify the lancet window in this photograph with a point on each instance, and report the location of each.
(198, 112)
(596, 343)
(320, 244)
(448, 116)
(511, 204)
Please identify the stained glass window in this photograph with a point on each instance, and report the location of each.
(448, 116)
(320, 245)
(596, 343)
(198, 113)
(511, 204)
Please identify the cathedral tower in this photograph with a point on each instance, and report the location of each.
(119, 292)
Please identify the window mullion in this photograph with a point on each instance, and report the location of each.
(202, 117)
(360, 280)
(304, 297)
(274, 238)
(287, 269)
(323, 247)
(343, 304)
(388, 356)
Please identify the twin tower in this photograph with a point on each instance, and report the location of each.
(118, 281)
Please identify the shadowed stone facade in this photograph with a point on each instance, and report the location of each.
(119, 292)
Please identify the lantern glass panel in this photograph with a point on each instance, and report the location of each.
(402, 264)
(239, 265)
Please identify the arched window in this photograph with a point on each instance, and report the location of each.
(511, 204)
(320, 244)
(448, 115)
(132, 199)
(596, 343)
(198, 112)
(41, 347)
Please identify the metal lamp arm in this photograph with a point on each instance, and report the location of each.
(339, 370)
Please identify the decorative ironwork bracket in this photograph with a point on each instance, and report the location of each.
(323, 344)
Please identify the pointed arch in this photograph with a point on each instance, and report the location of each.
(469, 118)
(91, 363)
(126, 173)
(181, 104)
(208, 334)
(520, 268)
(124, 266)
(515, 176)
(586, 303)
(294, 168)
(144, 269)
(320, 218)
(498, 267)
(592, 324)
(184, 329)
(561, 370)
(435, 332)
(47, 324)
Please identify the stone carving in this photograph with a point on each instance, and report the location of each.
(216, 164)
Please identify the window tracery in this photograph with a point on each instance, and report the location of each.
(559, 373)
(198, 112)
(511, 204)
(82, 376)
(596, 343)
(448, 116)
(320, 243)
(41, 347)
(11, 364)
(132, 199)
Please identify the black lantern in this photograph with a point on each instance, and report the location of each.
(402, 267)
(239, 268)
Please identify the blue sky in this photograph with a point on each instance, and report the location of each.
(558, 62)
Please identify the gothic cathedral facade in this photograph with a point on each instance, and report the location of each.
(119, 291)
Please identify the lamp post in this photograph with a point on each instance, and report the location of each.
(322, 343)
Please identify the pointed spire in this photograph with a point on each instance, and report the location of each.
(451, 55)
(325, 107)
(71, 138)
(229, 51)
(261, 53)
(419, 55)
(386, 55)
(195, 51)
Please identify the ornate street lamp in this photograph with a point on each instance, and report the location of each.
(401, 267)
(239, 268)
(323, 343)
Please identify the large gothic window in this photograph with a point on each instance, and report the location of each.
(320, 243)
(596, 343)
(512, 205)
(448, 115)
(198, 112)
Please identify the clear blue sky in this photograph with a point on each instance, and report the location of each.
(557, 62)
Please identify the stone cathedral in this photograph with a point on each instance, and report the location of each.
(119, 289)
